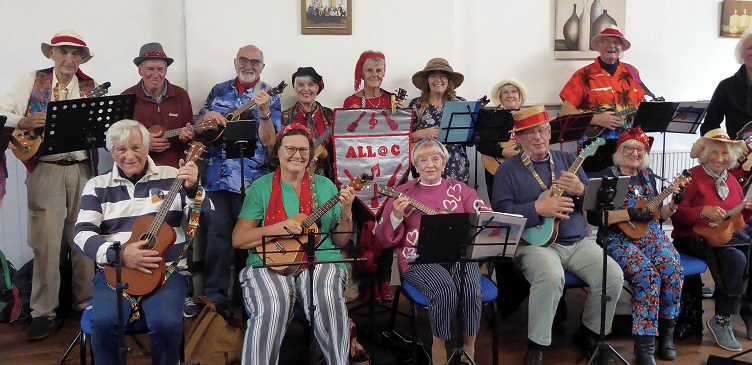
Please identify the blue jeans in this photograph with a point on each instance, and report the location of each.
(162, 310)
(219, 254)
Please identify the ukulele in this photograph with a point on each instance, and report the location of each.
(160, 235)
(320, 153)
(25, 142)
(387, 191)
(203, 125)
(596, 131)
(288, 250)
(637, 230)
(234, 113)
(546, 233)
(719, 233)
(492, 163)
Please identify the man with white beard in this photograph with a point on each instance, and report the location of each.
(222, 175)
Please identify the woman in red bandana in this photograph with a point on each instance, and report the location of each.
(269, 296)
(651, 264)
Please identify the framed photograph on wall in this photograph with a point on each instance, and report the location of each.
(326, 17)
(735, 18)
(577, 21)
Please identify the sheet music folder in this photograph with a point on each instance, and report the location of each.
(673, 117)
(80, 124)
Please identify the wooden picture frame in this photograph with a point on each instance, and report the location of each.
(568, 25)
(326, 17)
(735, 18)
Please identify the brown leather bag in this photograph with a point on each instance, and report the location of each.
(212, 340)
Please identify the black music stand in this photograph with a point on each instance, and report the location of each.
(607, 189)
(81, 124)
(494, 125)
(239, 137)
(310, 250)
(673, 117)
(458, 126)
(568, 128)
(446, 239)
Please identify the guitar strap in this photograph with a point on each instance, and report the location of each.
(527, 161)
(636, 77)
(135, 301)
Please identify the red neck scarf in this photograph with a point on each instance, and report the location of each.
(275, 212)
(243, 87)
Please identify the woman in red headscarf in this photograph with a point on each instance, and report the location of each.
(651, 263)
(269, 296)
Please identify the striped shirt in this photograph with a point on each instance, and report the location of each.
(110, 204)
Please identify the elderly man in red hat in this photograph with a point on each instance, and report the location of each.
(543, 266)
(605, 87)
(55, 181)
(161, 106)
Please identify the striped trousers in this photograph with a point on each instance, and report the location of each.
(440, 285)
(269, 299)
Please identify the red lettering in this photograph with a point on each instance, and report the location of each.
(395, 150)
(370, 152)
(361, 153)
(351, 153)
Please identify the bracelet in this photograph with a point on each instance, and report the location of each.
(346, 219)
(267, 116)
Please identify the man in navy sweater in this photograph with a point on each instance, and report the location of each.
(572, 251)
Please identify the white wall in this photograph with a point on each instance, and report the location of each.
(674, 45)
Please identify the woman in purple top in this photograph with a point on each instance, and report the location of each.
(398, 228)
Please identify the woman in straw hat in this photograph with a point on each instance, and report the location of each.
(651, 264)
(508, 94)
(710, 194)
(437, 83)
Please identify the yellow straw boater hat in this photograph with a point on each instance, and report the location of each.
(530, 117)
(716, 135)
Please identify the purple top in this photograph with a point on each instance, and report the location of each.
(449, 195)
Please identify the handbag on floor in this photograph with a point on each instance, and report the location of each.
(212, 340)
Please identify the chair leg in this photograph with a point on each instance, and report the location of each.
(65, 355)
(395, 305)
(495, 334)
(140, 345)
(83, 344)
(415, 333)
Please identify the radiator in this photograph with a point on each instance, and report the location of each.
(670, 164)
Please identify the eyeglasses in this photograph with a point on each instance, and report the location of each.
(242, 61)
(629, 150)
(291, 151)
(612, 41)
(543, 131)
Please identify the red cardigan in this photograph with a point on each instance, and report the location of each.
(701, 193)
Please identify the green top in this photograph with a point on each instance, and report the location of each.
(257, 200)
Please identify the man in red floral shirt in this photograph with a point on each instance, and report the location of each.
(605, 86)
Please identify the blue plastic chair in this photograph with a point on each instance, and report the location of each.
(131, 329)
(488, 288)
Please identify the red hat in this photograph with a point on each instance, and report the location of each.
(610, 31)
(635, 133)
(359, 66)
(530, 117)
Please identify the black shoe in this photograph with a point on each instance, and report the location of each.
(644, 350)
(533, 357)
(40, 328)
(666, 347)
(190, 308)
(587, 341)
